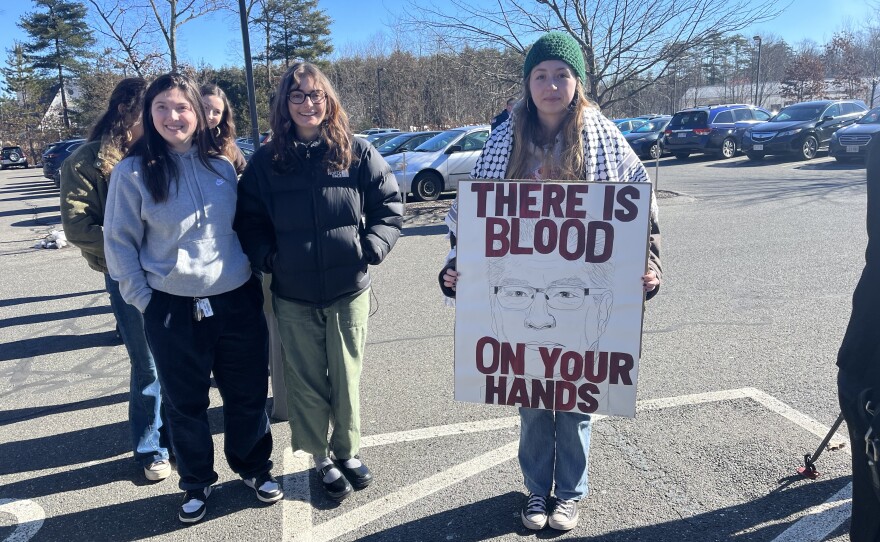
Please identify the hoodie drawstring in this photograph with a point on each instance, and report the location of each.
(200, 202)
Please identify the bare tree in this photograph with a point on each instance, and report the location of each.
(121, 23)
(846, 64)
(627, 44)
(805, 76)
(170, 15)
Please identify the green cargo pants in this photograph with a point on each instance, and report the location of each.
(324, 350)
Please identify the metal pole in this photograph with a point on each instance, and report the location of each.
(249, 75)
(873, 91)
(757, 40)
(379, 88)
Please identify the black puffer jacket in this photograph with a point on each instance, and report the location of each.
(859, 353)
(304, 224)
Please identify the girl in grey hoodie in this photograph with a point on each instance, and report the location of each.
(169, 242)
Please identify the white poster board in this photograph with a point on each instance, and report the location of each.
(549, 302)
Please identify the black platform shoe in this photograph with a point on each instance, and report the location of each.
(339, 488)
(360, 477)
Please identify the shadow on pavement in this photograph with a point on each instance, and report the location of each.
(51, 316)
(33, 196)
(19, 187)
(73, 448)
(29, 413)
(40, 221)
(61, 450)
(32, 211)
(435, 229)
(39, 299)
(148, 517)
(53, 344)
(483, 520)
(758, 520)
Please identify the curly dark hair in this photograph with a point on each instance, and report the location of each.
(113, 128)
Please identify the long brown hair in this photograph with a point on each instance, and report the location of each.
(224, 133)
(160, 170)
(527, 129)
(334, 129)
(113, 128)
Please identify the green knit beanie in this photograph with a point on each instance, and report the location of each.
(556, 46)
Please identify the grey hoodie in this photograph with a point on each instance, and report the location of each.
(184, 246)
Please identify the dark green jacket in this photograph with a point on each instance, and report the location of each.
(83, 197)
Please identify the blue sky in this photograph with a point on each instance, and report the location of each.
(216, 39)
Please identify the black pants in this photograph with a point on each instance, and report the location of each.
(233, 343)
(865, 503)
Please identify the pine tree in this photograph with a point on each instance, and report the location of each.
(61, 37)
(21, 110)
(301, 30)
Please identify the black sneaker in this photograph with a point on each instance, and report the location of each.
(360, 477)
(266, 486)
(565, 515)
(339, 488)
(534, 513)
(194, 505)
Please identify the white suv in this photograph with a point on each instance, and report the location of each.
(438, 164)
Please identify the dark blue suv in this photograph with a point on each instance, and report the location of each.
(55, 154)
(711, 129)
(801, 129)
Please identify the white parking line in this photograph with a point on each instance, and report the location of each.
(29, 517)
(358, 517)
(440, 431)
(797, 417)
(297, 512)
(814, 524)
(817, 522)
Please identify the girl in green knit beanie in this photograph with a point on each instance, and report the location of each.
(555, 133)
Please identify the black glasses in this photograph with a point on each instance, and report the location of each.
(558, 297)
(298, 96)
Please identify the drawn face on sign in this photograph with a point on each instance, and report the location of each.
(549, 303)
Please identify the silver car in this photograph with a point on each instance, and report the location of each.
(438, 164)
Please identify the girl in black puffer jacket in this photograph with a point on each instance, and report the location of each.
(315, 208)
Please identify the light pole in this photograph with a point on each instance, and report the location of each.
(757, 40)
(379, 89)
(249, 75)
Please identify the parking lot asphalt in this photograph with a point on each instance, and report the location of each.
(737, 383)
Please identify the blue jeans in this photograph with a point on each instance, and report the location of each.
(555, 447)
(145, 400)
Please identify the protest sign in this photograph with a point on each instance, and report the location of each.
(549, 302)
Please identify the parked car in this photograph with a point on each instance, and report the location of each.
(647, 139)
(247, 150)
(801, 129)
(438, 164)
(851, 142)
(710, 129)
(55, 154)
(404, 142)
(628, 125)
(13, 157)
(264, 138)
(372, 131)
(378, 139)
